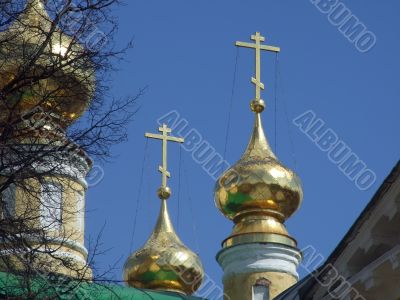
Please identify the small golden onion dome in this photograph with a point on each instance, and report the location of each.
(259, 193)
(67, 92)
(164, 262)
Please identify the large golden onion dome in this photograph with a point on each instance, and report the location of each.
(258, 182)
(65, 93)
(259, 193)
(164, 262)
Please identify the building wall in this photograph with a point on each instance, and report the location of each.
(239, 287)
(25, 203)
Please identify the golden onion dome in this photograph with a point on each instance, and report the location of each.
(164, 262)
(258, 182)
(65, 93)
(258, 193)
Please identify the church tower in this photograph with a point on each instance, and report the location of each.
(164, 263)
(259, 258)
(45, 202)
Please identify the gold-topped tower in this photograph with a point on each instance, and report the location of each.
(164, 262)
(43, 73)
(259, 194)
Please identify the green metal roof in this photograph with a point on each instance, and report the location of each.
(52, 287)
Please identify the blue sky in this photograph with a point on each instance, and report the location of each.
(184, 52)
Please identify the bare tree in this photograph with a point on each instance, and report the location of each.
(55, 113)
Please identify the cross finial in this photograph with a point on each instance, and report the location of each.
(257, 104)
(164, 192)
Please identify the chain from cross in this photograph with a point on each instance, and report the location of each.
(165, 139)
(258, 47)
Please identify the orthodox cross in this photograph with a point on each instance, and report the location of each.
(165, 138)
(258, 47)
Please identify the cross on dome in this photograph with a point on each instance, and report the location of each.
(164, 191)
(258, 104)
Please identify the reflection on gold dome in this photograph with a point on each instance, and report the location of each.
(259, 193)
(164, 262)
(65, 93)
(258, 182)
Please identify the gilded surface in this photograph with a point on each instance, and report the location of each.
(67, 93)
(164, 262)
(258, 183)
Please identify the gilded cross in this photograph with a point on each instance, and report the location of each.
(165, 138)
(258, 38)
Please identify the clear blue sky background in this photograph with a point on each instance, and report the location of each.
(184, 51)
